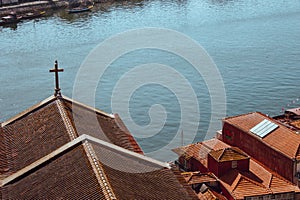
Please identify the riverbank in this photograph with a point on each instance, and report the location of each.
(37, 5)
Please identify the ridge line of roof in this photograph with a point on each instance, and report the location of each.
(99, 171)
(222, 154)
(88, 107)
(69, 127)
(240, 115)
(27, 111)
(71, 144)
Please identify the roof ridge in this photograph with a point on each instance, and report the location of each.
(222, 154)
(29, 110)
(99, 172)
(236, 181)
(235, 116)
(239, 151)
(281, 178)
(67, 122)
(254, 182)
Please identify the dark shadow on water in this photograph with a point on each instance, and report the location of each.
(10, 26)
(221, 2)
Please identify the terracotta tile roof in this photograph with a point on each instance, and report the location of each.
(198, 177)
(211, 195)
(28, 138)
(46, 154)
(200, 150)
(101, 125)
(207, 195)
(68, 176)
(228, 154)
(289, 140)
(258, 181)
(296, 123)
(52, 120)
(89, 168)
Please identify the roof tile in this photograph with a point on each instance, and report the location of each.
(289, 140)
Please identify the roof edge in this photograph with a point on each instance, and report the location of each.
(49, 100)
(29, 110)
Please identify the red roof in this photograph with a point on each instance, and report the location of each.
(198, 177)
(228, 154)
(200, 150)
(289, 140)
(257, 181)
(46, 154)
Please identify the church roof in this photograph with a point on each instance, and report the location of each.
(90, 168)
(60, 148)
(53, 120)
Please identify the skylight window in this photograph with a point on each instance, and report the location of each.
(264, 128)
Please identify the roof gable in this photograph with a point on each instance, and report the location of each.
(228, 154)
(198, 177)
(200, 150)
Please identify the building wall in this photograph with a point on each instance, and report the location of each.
(221, 168)
(195, 165)
(213, 166)
(191, 165)
(259, 151)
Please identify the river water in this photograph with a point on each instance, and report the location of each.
(254, 44)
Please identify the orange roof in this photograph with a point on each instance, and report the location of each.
(210, 195)
(228, 154)
(200, 150)
(197, 177)
(289, 140)
(258, 181)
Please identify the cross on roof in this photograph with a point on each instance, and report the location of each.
(56, 70)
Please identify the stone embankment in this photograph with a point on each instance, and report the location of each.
(36, 5)
(30, 6)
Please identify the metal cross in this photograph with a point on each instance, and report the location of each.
(56, 70)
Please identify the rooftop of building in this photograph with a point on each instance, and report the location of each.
(289, 139)
(46, 151)
(259, 180)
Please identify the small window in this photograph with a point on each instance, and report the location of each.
(234, 164)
